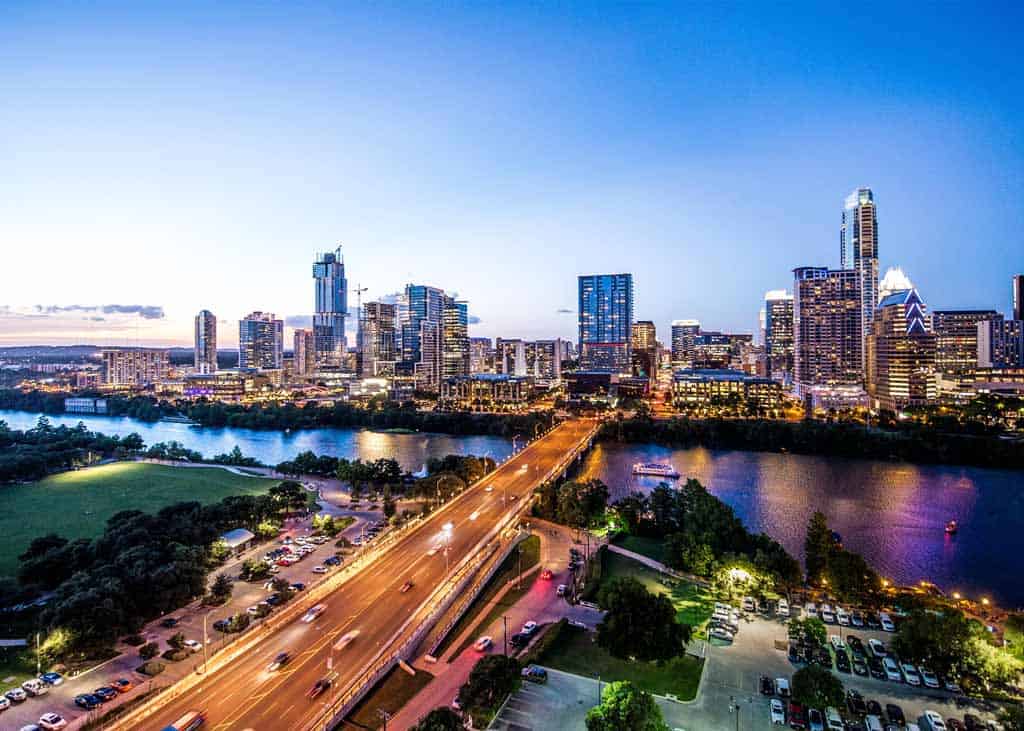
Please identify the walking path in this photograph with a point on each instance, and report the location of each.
(657, 565)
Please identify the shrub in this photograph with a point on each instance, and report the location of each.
(149, 650)
(549, 636)
(134, 640)
(151, 668)
(238, 622)
(175, 655)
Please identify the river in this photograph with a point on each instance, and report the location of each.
(891, 512)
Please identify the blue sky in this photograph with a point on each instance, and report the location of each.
(185, 156)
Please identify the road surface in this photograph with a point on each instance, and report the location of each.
(246, 695)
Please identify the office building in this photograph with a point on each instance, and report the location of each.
(778, 333)
(304, 352)
(827, 335)
(544, 359)
(205, 347)
(1000, 343)
(956, 339)
(481, 355)
(421, 351)
(900, 368)
(454, 339)
(716, 388)
(376, 349)
(684, 332)
(330, 308)
(858, 243)
(134, 367)
(712, 349)
(1018, 296)
(261, 341)
(605, 321)
(510, 356)
(644, 349)
(484, 392)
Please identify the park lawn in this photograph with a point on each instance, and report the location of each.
(694, 604)
(16, 664)
(77, 504)
(508, 570)
(389, 695)
(576, 651)
(650, 547)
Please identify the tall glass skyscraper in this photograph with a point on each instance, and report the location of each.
(422, 334)
(778, 331)
(206, 342)
(858, 250)
(261, 341)
(606, 321)
(684, 333)
(455, 338)
(331, 308)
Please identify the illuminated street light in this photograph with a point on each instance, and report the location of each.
(984, 600)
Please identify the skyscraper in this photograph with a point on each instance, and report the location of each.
(454, 338)
(330, 308)
(1018, 296)
(304, 352)
(858, 245)
(205, 349)
(422, 335)
(606, 321)
(644, 349)
(260, 341)
(481, 355)
(956, 339)
(684, 333)
(375, 351)
(827, 332)
(510, 356)
(1000, 343)
(778, 332)
(900, 368)
(135, 367)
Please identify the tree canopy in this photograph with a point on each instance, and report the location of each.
(625, 707)
(440, 719)
(816, 687)
(638, 623)
(490, 682)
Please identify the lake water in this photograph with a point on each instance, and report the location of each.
(891, 512)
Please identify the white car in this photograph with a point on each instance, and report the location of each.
(346, 639)
(783, 608)
(529, 628)
(935, 722)
(319, 569)
(313, 613)
(35, 687)
(810, 609)
(782, 687)
(827, 616)
(483, 643)
(910, 674)
(837, 641)
(842, 616)
(778, 712)
(721, 633)
(16, 695)
(194, 645)
(52, 721)
(930, 679)
(748, 604)
(562, 588)
(253, 610)
(886, 621)
(892, 670)
(5, 703)
(877, 648)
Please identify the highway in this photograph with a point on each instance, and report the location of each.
(246, 695)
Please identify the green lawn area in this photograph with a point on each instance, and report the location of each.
(509, 569)
(575, 651)
(650, 547)
(77, 504)
(15, 663)
(389, 695)
(694, 604)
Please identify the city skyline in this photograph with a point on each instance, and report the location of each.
(647, 150)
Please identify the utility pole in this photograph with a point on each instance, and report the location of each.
(206, 639)
(504, 621)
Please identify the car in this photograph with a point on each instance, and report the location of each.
(892, 670)
(576, 623)
(529, 628)
(319, 687)
(313, 612)
(842, 661)
(929, 678)
(194, 645)
(843, 617)
(274, 599)
(546, 575)
(860, 668)
(105, 692)
(562, 588)
(827, 615)
(406, 586)
(876, 668)
(274, 569)
(122, 685)
(332, 561)
(823, 658)
(52, 721)
(855, 645)
(836, 641)
(973, 723)
(955, 724)
(519, 640)
(482, 644)
(34, 687)
(748, 604)
(952, 686)
(297, 586)
(766, 685)
(886, 622)
(16, 695)
(52, 678)
(88, 701)
(782, 687)
(279, 661)
(895, 714)
(934, 721)
(535, 674)
(910, 675)
(221, 625)
(778, 712)
(253, 610)
(721, 633)
(168, 622)
(833, 720)
(857, 618)
(874, 708)
(783, 608)
(346, 638)
(815, 721)
(877, 648)
(810, 609)
(855, 703)
(797, 716)
(794, 653)
(319, 569)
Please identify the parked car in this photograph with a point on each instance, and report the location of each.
(519, 640)
(52, 721)
(767, 685)
(833, 721)
(892, 670)
(168, 622)
(4, 703)
(886, 622)
(482, 644)
(748, 604)
(860, 667)
(783, 608)
(836, 641)
(857, 618)
(932, 721)
(778, 712)
(815, 721)
(319, 569)
(34, 687)
(842, 661)
(877, 648)
(842, 616)
(535, 674)
(910, 675)
(827, 615)
(297, 586)
(721, 633)
(194, 645)
(88, 701)
(529, 628)
(332, 561)
(855, 703)
(797, 716)
(16, 695)
(876, 668)
(929, 678)
(895, 714)
(122, 685)
(782, 687)
(855, 645)
(52, 678)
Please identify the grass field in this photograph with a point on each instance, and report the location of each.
(650, 547)
(389, 695)
(694, 604)
(77, 504)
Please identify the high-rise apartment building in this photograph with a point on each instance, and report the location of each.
(712, 350)
(900, 368)
(205, 348)
(304, 352)
(135, 367)
(1018, 296)
(454, 338)
(481, 355)
(376, 349)
(645, 349)
(261, 341)
(827, 332)
(1000, 343)
(858, 244)
(510, 356)
(544, 359)
(684, 332)
(778, 332)
(605, 321)
(330, 308)
(421, 354)
(956, 339)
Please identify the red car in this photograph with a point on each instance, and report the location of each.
(406, 586)
(797, 716)
(546, 575)
(283, 562)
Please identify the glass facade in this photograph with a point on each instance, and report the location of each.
(330, 308)
(606, 321)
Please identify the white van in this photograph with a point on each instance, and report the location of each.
(833, 721)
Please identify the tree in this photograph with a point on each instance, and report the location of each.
(289, 495)
(937, 641)
(222, 588)
(491, 680)
(631, 510)
(149, 650)
(810, 629)
(624, 706)
(638, 623)
(1012, 717)
(992, 664)
(176, 641)
(388, 503)
(440, 719)
(818, 547)
(254, 569)
(816, 687)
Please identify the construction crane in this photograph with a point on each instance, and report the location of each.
(359, 313)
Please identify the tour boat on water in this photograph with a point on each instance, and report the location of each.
(655, 469)
(951, 527)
